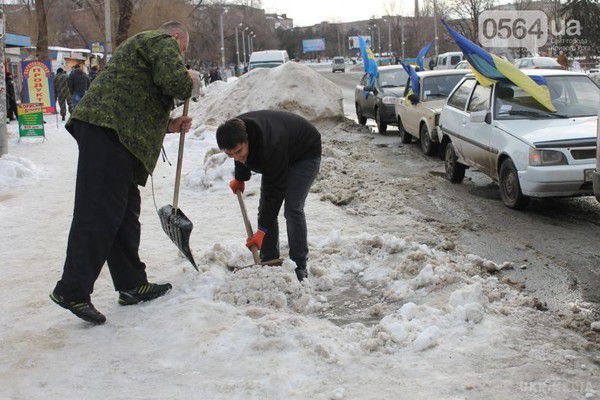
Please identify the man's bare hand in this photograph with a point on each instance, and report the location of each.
(180, 124)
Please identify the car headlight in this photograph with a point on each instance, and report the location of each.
(389, 100)
(546, 157)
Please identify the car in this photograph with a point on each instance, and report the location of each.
(448, 60)
(379, 101)
(420, 120)
(268, 59)
(531, 152)
(537, 63)
(338, 64)
(464, 64)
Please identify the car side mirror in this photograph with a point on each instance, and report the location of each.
(488, 118)
(478, 116)
(413, 98)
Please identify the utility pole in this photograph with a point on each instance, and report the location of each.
(250, 43)
(3, 133)
(237, 47)
(107, 29)
(402, 35)
(222, 40)
(389, 22)
(244, 44)
(435, 28)
(379, 39)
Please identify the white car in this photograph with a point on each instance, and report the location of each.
(529, 151)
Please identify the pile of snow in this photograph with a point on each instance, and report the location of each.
(217, 168)
(291, 87)
(16, 171)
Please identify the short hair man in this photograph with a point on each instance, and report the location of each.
(286, 149)
(119, 125)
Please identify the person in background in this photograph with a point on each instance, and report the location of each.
(79, 83)
(62, 95)
(563, 60)
(11, 98)
(93, 73)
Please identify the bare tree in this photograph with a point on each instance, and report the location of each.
(42, 34)
(125, 16)
(467, 13)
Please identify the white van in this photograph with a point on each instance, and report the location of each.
(268, 59)
(449, 60)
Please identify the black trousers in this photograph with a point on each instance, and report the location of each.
(106, 226)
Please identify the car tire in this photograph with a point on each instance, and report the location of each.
(455, 171)
(405, 137)
(362, 120)
(510, 188)
(381, 126)
(427, 145)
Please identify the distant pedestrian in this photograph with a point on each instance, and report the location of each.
(215, 75)
(61, 92)
(563, 60)
(79, 83)
(93, 73)
(11, 98)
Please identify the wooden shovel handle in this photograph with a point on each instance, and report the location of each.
(186, 107)
(249, 232)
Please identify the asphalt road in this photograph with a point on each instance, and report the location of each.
(554, 244)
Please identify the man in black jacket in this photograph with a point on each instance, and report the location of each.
(78, 84)
(286, 149)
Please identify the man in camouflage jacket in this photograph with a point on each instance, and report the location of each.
(61, 92)
(119, 126)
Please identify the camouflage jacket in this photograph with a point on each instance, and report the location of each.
(61, 86)
(133, 95)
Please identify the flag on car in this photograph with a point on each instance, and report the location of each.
(489, 68)
(369, 62)
(414, 85)
(422, 54)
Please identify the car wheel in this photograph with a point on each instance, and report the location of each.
(455, 171)
(359, 115)
(381, 126)
(427, 144)
(510, 188)
(405, 137)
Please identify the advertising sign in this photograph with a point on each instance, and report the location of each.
(37, 84)
(354, 44)
(311, 45)
(97, 47)
(31, 119)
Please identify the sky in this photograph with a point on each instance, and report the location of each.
(310, 12)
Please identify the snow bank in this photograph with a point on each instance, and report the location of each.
(16, 171)
(290, 87)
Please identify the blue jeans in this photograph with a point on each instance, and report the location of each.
(76, 97)
(301, 176)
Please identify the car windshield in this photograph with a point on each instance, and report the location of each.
(392, 78)
(338, 61)
(545, 62)
(265, 64)
(573, 96)
(439, 87)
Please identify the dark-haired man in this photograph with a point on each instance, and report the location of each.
(119, 125)
(286, 149)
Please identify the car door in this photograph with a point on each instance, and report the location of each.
(453, 120)
(359, 93)
(412, 113)
(479, 134)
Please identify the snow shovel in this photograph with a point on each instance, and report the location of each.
(255, 254)
(174, 222)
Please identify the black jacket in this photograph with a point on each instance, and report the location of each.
(276, 140)
(78, 81)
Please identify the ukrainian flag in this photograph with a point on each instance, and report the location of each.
(369, 61)
(489, 68)
(415, 86)
(422, 54)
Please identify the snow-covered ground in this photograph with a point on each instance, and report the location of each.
(381, 317)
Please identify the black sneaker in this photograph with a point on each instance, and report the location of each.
(301, 273)
(82, 309)
(144, 292)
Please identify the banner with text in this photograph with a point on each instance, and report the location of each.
(312, 45)
(37, 84)
(31, 119)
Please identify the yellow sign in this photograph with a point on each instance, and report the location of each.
(37, 82)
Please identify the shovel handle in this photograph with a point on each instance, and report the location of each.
(249, 232)
(186, 107)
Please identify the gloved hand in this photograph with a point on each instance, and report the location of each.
(255, 240)
(236, 185)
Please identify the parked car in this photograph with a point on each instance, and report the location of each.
(596, 176)
(464, 64)
(379, 101)
(338, 64)
(531, 152)
(537, 63)
(448, 60)
(420, 120)
(268, 59)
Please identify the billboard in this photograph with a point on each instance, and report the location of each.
(310, 45)
(353, 42)
(37, 84)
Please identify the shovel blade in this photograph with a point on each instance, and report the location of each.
(179, 229)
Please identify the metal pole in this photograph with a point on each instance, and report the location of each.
(250, 45)
(402, 35)
(107, 28)
(3, 133)
(435, 27)
(244, 45)
(390, 37)
(379, 39)
(237, 47)
(222, 42)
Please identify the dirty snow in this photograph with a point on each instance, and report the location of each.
(383, 314)
(16, 171)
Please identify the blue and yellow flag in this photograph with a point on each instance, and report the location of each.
(369, 61)
(422, 54)
(415, 86)
(489, 68)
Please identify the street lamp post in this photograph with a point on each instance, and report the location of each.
(389, 22)
(244, 44)
(237, 46)
(250, 43)
(435, 27)
(402, 35)
(222, 39)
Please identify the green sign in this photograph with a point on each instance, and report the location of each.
(31, 119)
